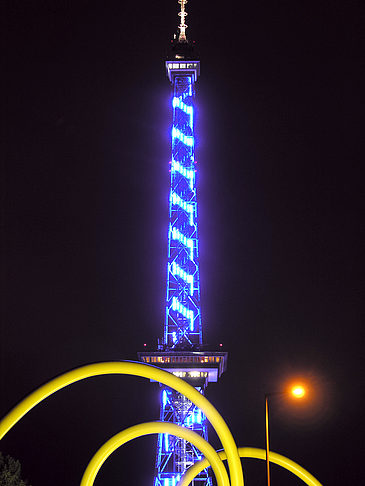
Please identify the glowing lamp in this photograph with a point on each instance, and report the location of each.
(298, 391)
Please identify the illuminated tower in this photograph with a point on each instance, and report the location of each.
(180, 350)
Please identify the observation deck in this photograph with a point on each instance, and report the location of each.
(193, 366)
(182, 67)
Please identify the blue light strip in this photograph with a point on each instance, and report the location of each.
(164, 398)
(174, 337)
(189, 314)
(171, 481)
(198, 416)
(176, 133)
(188, 173)
(188, 242)
(178, 103)
(188, 207)
(189, 279)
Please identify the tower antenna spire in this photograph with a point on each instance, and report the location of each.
(182, 14)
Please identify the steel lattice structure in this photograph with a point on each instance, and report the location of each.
(180, 350)
(183, 317)
(183, 329)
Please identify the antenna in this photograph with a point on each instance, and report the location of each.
(182, 14)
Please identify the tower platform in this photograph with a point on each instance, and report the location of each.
(196, 367)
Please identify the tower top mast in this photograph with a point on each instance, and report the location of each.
(182, 60)
(182, 14)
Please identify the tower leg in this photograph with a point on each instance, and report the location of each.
(175, 455)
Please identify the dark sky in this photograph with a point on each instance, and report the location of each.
(86, 121)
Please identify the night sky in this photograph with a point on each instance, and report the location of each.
(86, 123)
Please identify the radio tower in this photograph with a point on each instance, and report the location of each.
(180, 351)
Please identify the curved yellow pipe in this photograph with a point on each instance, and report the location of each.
(145, 371)
(252, 452)
(155, 428)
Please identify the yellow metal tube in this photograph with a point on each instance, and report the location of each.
(145, 371)
(155, 428)
(254, 453)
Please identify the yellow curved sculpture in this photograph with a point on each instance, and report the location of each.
(212, 458)
(145, 371)
(230, 452)
(252, 452)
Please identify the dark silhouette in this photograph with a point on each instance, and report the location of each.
(10, 472)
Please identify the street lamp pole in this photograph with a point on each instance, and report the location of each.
(267, 439)
(297, 391)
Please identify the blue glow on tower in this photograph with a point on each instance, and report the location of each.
(180, 350)
(183, 316)
(183, 329)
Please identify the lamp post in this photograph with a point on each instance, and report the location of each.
(296, 391)
(267, 438)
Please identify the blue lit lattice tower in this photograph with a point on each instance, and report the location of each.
(183, 317)
(180, 350)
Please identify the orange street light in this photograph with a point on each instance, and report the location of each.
(297, 391)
